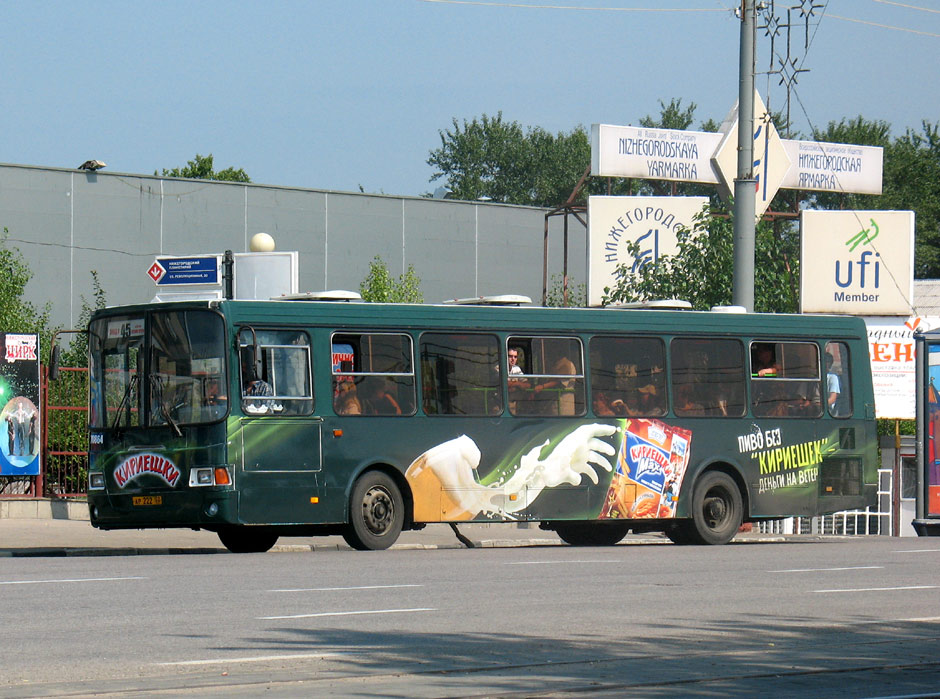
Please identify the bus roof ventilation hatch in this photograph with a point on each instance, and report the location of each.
(728, 309)
(334, 295)
(500, 300)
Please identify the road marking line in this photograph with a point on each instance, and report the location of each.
(336, 589)
(919, 551)
(883, 589)
(67, 580)
(255, 659)
(822, 570)
(366, 611)
(552, 563)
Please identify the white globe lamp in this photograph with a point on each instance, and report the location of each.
(261, 242)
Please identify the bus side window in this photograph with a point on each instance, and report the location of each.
(627, 376)
(707, 377)
(555, 383)
(785, 379)
(838, 386)
(282, 385)
(373, 374)
(460, 374)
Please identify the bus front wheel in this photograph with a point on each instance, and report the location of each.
(376, 513)
(591, 533)
(247, 539)
(717, 509)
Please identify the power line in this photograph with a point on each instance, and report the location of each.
(573, 7)
(907, 7)
(884, 26)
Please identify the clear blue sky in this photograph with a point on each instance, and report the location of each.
(335, 94)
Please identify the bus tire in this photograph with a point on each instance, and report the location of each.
(717, 509)
(681, 533)
(591, 533)
(376, 513)
(247, 539)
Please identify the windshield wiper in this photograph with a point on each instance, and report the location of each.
(157, 388)
(131, 385)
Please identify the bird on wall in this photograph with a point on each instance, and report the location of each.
(92, 165)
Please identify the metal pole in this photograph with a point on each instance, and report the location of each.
(922, 415)
(744, 183)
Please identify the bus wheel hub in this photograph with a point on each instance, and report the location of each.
(377, 510)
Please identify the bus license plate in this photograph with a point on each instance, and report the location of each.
(148, 500)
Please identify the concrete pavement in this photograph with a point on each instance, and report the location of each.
(43, 527)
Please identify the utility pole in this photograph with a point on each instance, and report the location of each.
(744, 183)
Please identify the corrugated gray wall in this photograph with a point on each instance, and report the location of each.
(67, 223)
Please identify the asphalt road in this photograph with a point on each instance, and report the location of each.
(850, 617)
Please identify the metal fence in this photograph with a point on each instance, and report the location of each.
(870, 521)
(63, 471)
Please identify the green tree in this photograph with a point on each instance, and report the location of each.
(17, 314)
(201, 168)
(702, 271)
(380, 287)
(555, 294)
(497, 160)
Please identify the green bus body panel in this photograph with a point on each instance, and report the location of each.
(299, 470)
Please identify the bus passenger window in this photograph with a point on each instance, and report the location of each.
(281, 383)
(373, 374)
(555, 377)
(785, 379)
(627, 376)
(460, 374)
(708, 377)
(838, 384)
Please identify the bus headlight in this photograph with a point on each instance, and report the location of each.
(95, 481)
(201, 476)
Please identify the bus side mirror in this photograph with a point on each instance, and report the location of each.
(54, 363)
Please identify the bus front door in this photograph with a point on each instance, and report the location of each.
(278, 470)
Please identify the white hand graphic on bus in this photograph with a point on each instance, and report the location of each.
(446, 473)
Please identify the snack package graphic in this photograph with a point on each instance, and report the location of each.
(651, 464)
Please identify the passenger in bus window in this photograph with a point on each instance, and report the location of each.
(379, 401)
(255, 386)
(649, 402)
(603, 408)
(762, 360)
(346, 401)
(833, 387)
(685, 404)
(514, 368)
(565, 404)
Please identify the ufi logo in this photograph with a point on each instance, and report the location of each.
(865, 272)
(139, 464)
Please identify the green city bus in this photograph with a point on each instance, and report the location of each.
(257, 419)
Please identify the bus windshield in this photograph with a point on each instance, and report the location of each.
(167, 368)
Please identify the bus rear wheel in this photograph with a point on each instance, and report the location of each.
(591, 533)
(717, 509)
(376, 513)
(247, 539)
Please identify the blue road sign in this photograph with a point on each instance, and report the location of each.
(185, 270)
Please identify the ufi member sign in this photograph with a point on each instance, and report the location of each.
(857, 262)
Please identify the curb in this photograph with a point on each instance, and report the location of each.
(79, 552)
